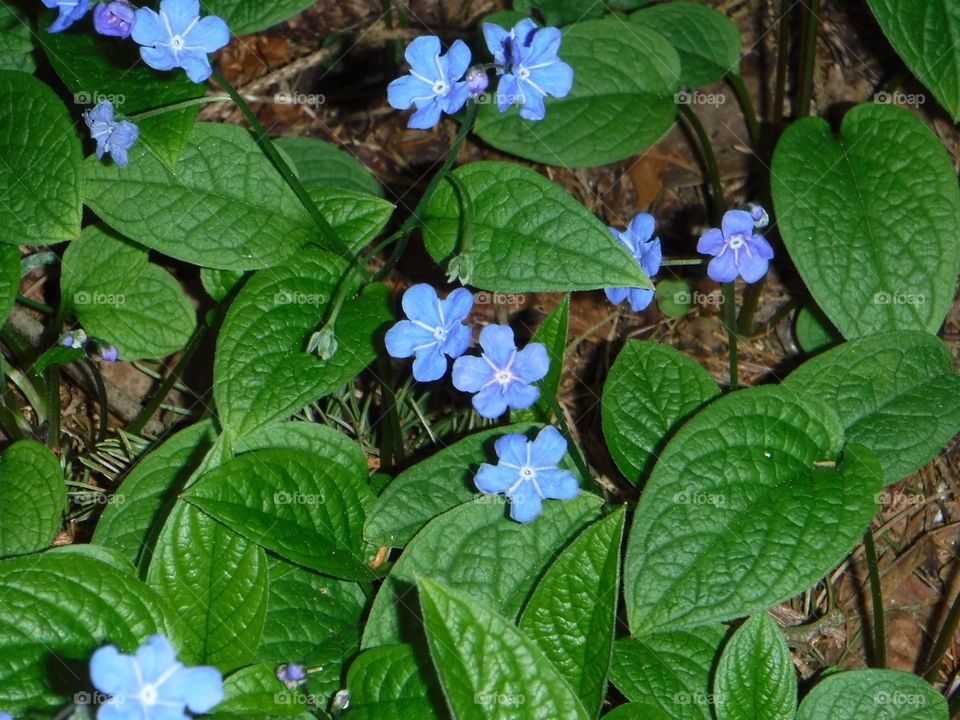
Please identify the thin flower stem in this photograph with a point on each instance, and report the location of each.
(576, 453)
(163, 110)
(104, 425)
(783, 60)
(876, 594)
(710, 160)
(666, 262)
(749, 111)
(943, 643)
(34, 304)
(730, 321)
(751, 298)
(811, 25)
(330, 236)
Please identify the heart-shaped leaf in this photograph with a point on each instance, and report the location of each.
(32, 498)
(873, 695)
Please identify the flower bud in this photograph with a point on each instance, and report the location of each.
(323, 343)
(477, 80)
(291, 675)
(759, 215)
(109, 353)
(114, 18)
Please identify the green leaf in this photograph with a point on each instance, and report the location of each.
(707, 41)
(561, 12)
(669, 670)
(622, 100)
(250, 16)
(309, 437)
(357, 217)
(9, 277)
(216, 583)
(873, 695)
(95, 67)
(57, 609)
(673, 297)
(736, 515)
(32, 498)
(58, 355)
(522, 684)
(311, 619)
(637, 711)
(121, 297)
(476, 548)
(41, 200)
(649, 392)
(553, 334)
(306, 508)
(219, 283)
(895, 393)
(572, 612)
(756, 679)
(322, 163)
(153, 482)
(814, 331)
(432, 486)
(388, 683)
(925, 36)
(875, 234)
(202, 210)
(531, 236)
(262, 372)
(16, 40)
(255, 690)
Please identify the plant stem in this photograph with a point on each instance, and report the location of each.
(576, 453)
(710, 160)
(178, 106)
(749, 111)
(876, 594)
(811, 25)
(667, 262)
(783, 59)
(751, 298)
(330, 236)
(943, 643)
(730, 321)
(34, 304)
(101, 399)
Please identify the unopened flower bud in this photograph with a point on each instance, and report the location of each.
(114, 18)
(759, 215)
(109, 353)
(477, 80)
(291, 675)
(323, 343)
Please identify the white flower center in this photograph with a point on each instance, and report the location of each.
(177, 42)
(148, 694)
(503, 377)
(737, 241)
(439, 333)
(523, 74)
(527, 473)
(440, 87)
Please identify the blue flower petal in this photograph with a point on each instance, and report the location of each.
(404, 336)
(455, 98)
(616, 295)
(113, 673)
(512, 449)
(210, 34)
(525, 503)
(558, 484)
(533, 107)
(148, 29)
(496, 38)
(125, 134)
(405, 90)
(426, 117)
(158, 58)
(498, 344)
(492, 479)
(457, 60)
(457, 305)
(524, 31)
(422, 53)
(489, 402)
(120, 708)
(548, 448)
(470, 373)
(651, 257)
(543, 46)
(555, 79)
(752, 267)
(640, 298)
(641, 227)
(200, 688)
(722, 268)
(420, 302)
(458, 340)
(180, 13)
(532, 363)
(519, 396)
(508, 93)
(711, 242)
(102, 112)
(759, 245)
(119, 155)
(736, 221)
(197, 65)
(155, 657)
(162, 712)
(429, 365)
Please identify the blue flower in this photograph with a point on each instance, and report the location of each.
(109, 353)
(70, 12)
(435, 328)
(638, 239)
(152, 685)
(115, 19)
(292, 675)
(535, 71)
(501, 377)
(527, 473)
(736, 250)
(434, 84)
(177, 37)
(114, 137)
(5, 716)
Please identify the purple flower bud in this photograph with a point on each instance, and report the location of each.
(114, 18)
(477, 80)
(110, 353)
(291, 675)
(66, 341)
(759, 215)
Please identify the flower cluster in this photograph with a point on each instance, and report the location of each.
(526, 61)
(638, 239)
(737, 250)
(151, 684)
(434, 330)
(78, 340)
(174, 37)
